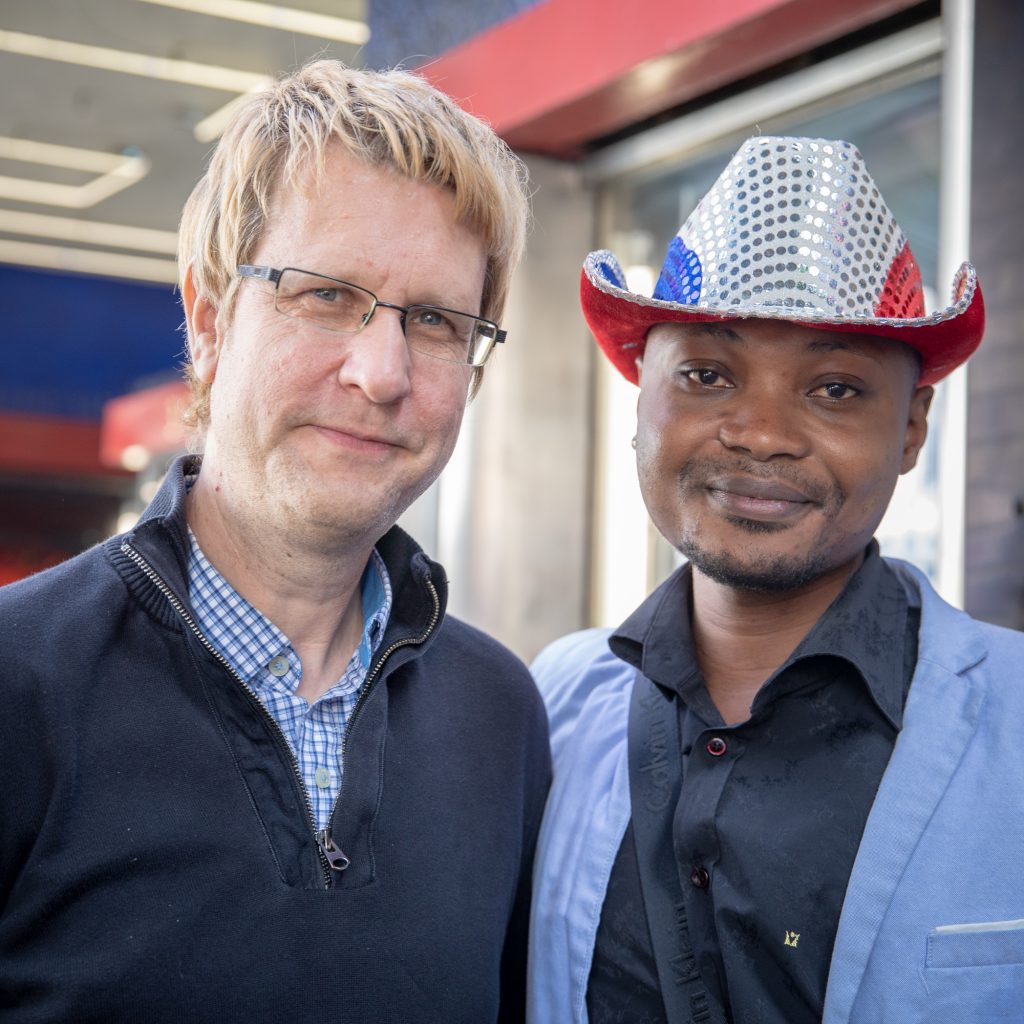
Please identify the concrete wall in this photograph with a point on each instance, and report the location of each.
(994, 556)
(519, 565)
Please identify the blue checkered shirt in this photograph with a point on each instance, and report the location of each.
(262, 656)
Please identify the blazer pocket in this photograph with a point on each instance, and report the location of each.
(974, 974)
(987, 944)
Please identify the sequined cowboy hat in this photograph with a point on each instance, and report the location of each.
(795, 230)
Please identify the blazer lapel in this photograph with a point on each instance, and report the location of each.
(940, 717)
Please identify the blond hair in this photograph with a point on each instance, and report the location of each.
(390, 119)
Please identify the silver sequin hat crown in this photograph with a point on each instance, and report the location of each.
(793, 229)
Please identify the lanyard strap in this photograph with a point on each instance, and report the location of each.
(655, 778)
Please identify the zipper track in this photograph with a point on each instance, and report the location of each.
(157, 580)
(371, 678)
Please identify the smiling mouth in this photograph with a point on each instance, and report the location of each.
(765, 501)
(357, 441)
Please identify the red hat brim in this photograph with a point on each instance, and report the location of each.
(620, 321)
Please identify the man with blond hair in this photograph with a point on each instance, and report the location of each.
(250, 771)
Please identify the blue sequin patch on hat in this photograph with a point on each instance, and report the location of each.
(681, 275)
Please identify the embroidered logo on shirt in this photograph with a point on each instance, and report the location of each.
(792, 938)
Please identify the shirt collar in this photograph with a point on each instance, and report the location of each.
(657, 637)
(375, 593)
(247, 639)
(865, 625)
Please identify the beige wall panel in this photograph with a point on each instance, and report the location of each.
(519, 562)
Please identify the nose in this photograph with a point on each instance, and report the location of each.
(764, 424)
(377, 360)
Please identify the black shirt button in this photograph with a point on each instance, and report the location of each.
(716, 746)
(700, 878)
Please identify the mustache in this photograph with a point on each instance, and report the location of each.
(703, 473)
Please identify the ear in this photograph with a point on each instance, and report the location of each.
(201, 320)
(917, 427)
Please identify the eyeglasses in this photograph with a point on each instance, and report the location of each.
(345, 308)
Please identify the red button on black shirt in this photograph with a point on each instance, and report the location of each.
(716, 746)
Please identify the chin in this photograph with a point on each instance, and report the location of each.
(764, 574)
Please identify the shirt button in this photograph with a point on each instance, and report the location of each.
(278, 666)
(322, 777)
(716, 746)
(700, 878)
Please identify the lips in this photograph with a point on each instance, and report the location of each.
(353, 437)
(765, 490)
(763, 500)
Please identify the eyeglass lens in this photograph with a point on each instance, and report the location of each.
(346, 308)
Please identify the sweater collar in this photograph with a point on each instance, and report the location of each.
(419, 585)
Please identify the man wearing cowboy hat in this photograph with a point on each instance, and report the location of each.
(788, 788)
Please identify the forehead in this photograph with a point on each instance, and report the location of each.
(350, 206)
(342, 190)
(776, 340)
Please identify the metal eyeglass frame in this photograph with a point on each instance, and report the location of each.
(273, 275)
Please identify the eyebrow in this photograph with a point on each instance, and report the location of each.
(714, 329)
(866, 346)
(831, 345)
(820, 344)
(824, 343)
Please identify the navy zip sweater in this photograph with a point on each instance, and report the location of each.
(157, 856)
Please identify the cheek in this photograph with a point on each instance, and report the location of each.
(440, 405)
(657, 471)
(666, 440)
(650, 455)
(652, 429)
(277, 370)
(255, 389)
(868, 475)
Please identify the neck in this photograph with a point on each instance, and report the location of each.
(312, 594)
(743, 636)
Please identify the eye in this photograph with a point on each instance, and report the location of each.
(706, 377)
(319, 295)
(429, 317)
(836, 390)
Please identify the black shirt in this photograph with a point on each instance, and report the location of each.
(771, 810)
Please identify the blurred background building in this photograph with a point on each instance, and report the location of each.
(625, 113)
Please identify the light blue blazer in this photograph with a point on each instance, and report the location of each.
(932, 928)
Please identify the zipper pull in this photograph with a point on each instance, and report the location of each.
(334, 855)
